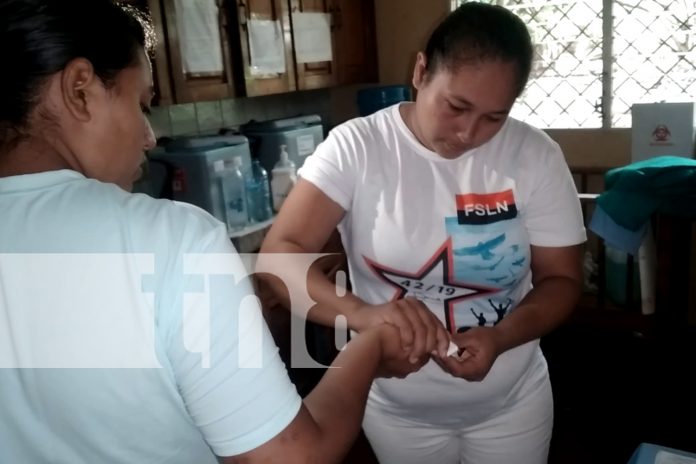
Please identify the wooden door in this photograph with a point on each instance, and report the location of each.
(315, 74)
(255, 18)
(203, 73)
(356, 45)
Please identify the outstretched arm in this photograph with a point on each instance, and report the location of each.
(304, 224)
(330, 418)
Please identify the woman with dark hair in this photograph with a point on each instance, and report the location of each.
(125, 332)
(459, 223)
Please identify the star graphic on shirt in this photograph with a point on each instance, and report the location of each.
(433, 283)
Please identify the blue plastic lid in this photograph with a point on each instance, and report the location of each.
(277, 125)
(375, 98)
(393, 93)
(204, 142)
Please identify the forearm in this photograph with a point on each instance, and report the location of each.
(544, 308)
(296, 277)
(337, 403)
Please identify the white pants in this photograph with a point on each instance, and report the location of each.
(520, 434)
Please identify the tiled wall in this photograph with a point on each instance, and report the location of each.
(209, 117)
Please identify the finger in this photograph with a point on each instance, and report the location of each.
(443, 340)
(397, 318)
(473, 366)
(392, 341)
(407, 368)
(430, 325)
(441, 337)
(422, 361)
(462, 355)
(457, 341)
(443, 365)
(466, 350)
(467, 341)
(452, 350)
(420, 331)
(465, 368)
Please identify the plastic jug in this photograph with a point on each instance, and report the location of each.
(258, 193)
(233, 190)
(283, 178)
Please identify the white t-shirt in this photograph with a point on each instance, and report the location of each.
(119, 341)
(454, 233)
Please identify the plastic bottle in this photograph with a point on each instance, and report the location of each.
(283, 178)
(234, 195)
(258, 193)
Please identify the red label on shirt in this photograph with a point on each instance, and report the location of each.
(485, 208)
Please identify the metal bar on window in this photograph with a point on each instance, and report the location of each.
(607, 62)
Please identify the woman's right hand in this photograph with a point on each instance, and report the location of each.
(394, 361)
(421, 332)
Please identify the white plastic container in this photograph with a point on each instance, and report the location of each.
(283, 178)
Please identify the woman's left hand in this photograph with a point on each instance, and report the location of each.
(480, 350)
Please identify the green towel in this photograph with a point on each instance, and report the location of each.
(665, 184)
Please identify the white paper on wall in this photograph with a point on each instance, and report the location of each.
(305, 145)
(312, 33)
(266, 47)
(199, 36)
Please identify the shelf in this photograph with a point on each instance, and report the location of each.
(250, 238)
(248, 230)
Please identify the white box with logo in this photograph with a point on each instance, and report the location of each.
(662, 129)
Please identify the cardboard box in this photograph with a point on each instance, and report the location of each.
(662, 129)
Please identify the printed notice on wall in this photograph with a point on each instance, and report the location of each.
(312, 33)
(199, 37)
(266, 47)
(305, 145)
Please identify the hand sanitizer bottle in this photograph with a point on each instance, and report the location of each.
(283, 178)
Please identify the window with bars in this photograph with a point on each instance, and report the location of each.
(596, 58)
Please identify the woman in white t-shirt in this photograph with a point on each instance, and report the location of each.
(126, 334)
(459, 223)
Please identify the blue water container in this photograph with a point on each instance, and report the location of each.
(375, 98)
(233, 187)
(299, 134)
(258, 193)
(192, 166)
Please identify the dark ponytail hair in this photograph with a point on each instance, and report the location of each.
(38, 38)
(479, 31)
